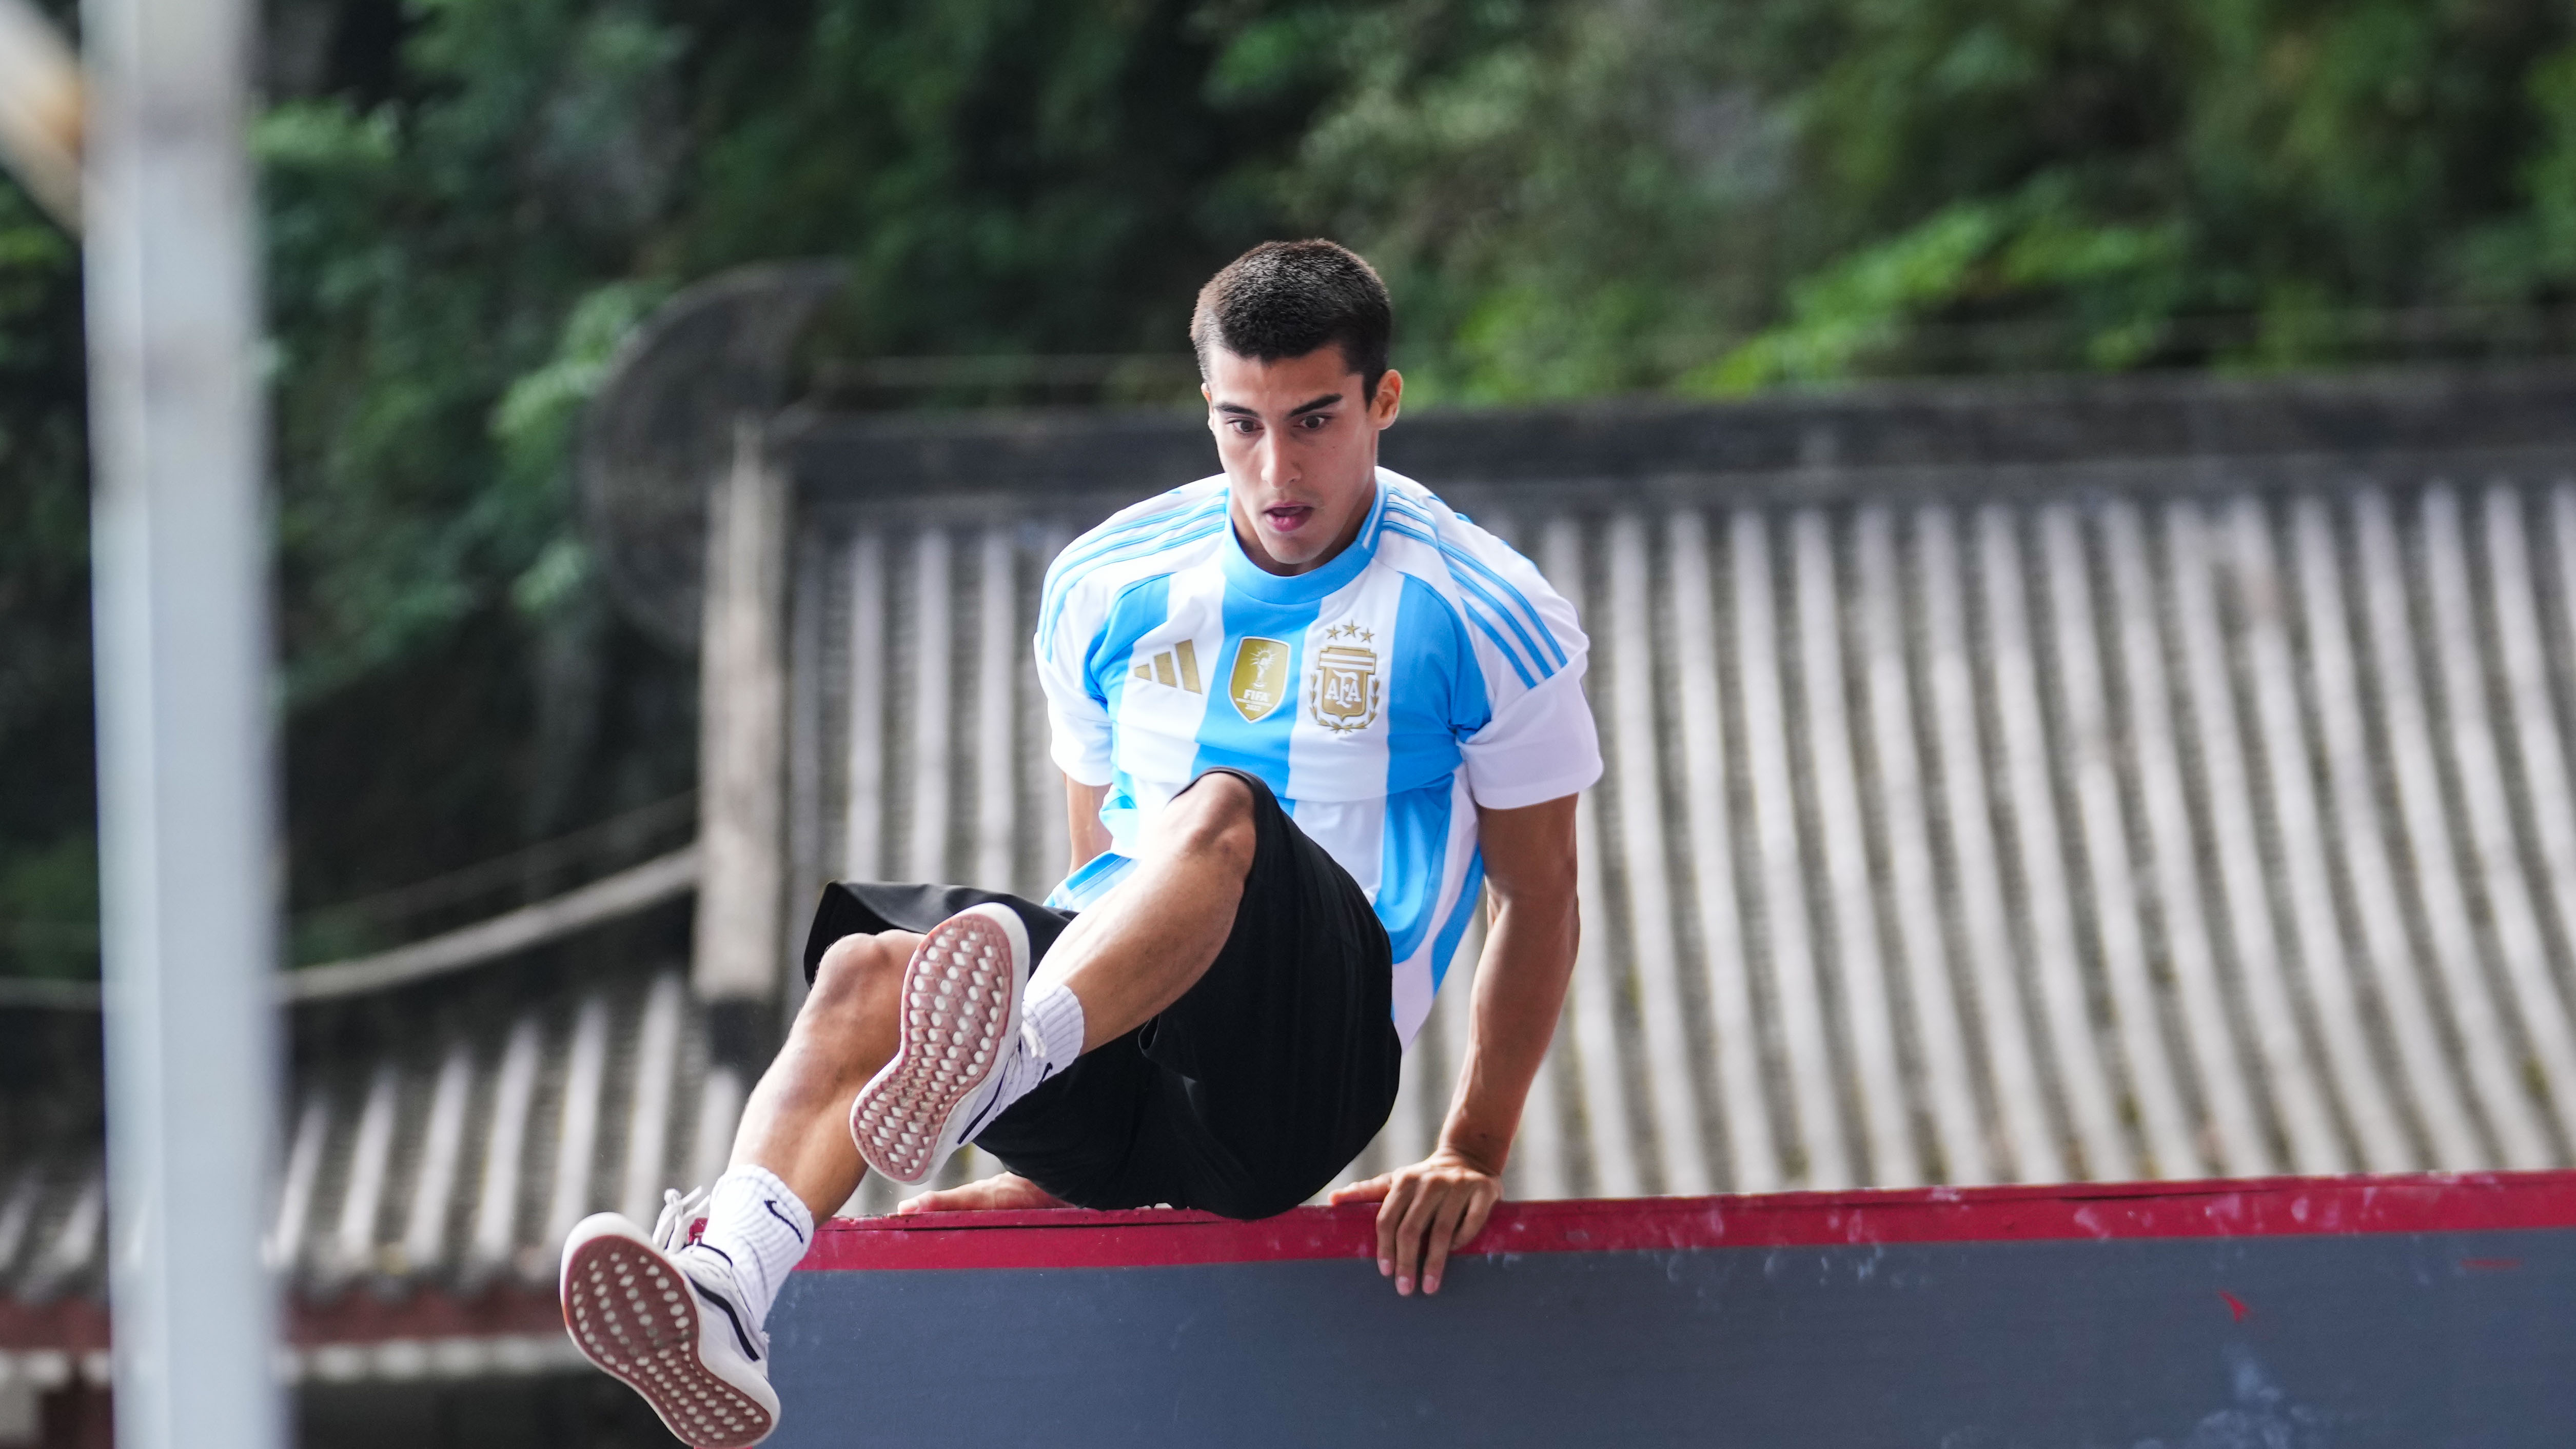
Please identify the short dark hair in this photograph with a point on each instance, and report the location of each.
(1286, 298)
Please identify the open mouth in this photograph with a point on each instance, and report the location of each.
(1287, 517)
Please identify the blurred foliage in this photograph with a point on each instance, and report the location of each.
(471, 201)
(1726, 196)
(48, 890)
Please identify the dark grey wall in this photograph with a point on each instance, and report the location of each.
(2407, 1342)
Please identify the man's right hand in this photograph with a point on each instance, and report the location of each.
(1424, 1211)
(994, 1194)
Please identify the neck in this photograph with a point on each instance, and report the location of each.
(1250, 538)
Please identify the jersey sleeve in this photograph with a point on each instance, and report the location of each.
(1540, 746)
(1539, 742)
(1078, 722)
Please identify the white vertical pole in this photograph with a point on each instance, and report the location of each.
(742, 734)
(187, 833)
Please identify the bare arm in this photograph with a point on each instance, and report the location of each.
(1428, 1208)
(1082, 817)
(1520, 983)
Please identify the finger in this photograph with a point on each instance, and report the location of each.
(1390, 1211)
(1028, 1194)
(1480, 1206)
(1372, 1190)
(1409, 1234)
(970, 1197)
(966, 1199)
(1444, 1229)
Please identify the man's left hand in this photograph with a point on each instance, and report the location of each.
(1425, 1210)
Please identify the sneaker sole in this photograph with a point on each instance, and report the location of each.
(631, 1314)
(958, 1005)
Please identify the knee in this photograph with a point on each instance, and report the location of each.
(1213, 818)
(857, 977)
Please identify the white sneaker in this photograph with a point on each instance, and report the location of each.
(670, 1324)
(960, 1024)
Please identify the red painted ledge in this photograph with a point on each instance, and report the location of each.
(2256, 1207)
(1072, 1238)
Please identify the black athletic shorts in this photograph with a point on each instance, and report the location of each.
(1243, 1097)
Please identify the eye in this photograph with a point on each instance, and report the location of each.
(1311, 422)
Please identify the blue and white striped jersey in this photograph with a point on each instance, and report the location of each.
(1424, 671)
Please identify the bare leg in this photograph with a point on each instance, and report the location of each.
(1151, 941)
(797, 1121)
(1125, 961)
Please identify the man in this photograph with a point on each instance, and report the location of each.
(1307, 716)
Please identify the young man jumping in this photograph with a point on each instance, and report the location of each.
(1308, 717)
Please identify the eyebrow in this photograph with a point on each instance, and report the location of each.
(1238, 409)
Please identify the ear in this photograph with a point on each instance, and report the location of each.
(1389, 400)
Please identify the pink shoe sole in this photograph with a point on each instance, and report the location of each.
(961, 1008)
(630, 1313)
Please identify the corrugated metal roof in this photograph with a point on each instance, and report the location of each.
(2098, 838)
(2091, 836)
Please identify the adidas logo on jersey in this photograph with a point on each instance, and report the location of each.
(1177, 666)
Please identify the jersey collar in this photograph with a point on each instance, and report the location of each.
(1247, 577)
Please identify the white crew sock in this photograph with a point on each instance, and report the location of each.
(1050, 1038)
(761, 1228)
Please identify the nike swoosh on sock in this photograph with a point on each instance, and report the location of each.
(771, 1203)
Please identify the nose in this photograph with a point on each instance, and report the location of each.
(1270, 462)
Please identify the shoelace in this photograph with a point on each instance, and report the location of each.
(679, 1210)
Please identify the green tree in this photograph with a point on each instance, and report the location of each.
(463, 227)
(48, 891)
(469, 202)
(1732, 195)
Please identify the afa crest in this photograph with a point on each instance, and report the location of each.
(1344, 693)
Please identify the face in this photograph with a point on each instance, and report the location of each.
(1300, 451)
